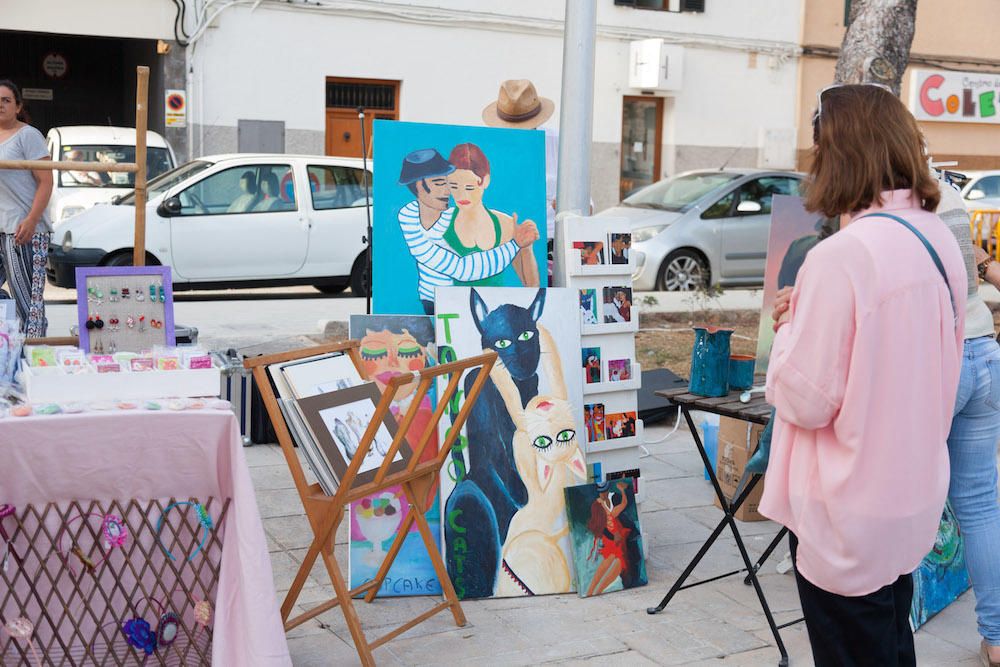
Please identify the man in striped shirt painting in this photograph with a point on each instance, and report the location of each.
(425, 220)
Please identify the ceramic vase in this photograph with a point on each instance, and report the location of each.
(710, 362)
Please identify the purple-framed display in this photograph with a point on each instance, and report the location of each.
(125, 284)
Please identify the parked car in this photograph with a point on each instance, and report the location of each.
(233, 221)
(982, 190)
(75, 191)
(703, 227)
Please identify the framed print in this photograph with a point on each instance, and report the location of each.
(315, 375)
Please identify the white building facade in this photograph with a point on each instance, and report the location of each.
(288, 76)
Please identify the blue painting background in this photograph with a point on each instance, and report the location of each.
(941, 577)
(517, 185)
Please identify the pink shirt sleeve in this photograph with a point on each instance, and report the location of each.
(811, 354)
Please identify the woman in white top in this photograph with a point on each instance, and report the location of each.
(24, 226)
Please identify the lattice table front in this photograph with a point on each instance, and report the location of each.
(60, 575)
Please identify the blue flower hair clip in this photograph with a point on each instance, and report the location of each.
(203, 518)
(142, 636)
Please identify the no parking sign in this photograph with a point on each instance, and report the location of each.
(175, 108)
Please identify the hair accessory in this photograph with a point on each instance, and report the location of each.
(21, 629)
(113, 532)
(203, 518)
(6, 511)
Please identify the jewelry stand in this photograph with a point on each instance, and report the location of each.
(326, 512)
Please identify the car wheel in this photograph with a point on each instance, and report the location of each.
(124, 258)
(331, 289)
(359, 275)
(683, 271)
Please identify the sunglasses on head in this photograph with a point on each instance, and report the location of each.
(819, 95)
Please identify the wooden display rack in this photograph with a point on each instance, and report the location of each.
(326, 512)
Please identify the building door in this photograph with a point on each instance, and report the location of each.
(379, 99)
(642, 142)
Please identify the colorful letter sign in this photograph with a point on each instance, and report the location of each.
(955, 97)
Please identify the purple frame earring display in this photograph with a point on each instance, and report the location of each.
(154, 278)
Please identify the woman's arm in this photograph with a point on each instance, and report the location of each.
(991, 272)
(43, 190)
(443, 259)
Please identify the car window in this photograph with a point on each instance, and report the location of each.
(721, 208)
(990, 185)
(157, 163)
(164, 182)
(679, 192)
(761, 190)
(336, 187)
(260, 188)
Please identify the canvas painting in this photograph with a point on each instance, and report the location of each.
(589, 312)
(617, 304)
(604, 530)
(794, 231)
(504, 509)
(941, 577)
(455, 206)
(392, 345)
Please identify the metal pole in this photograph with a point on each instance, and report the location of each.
(576, 119)
(368, 212)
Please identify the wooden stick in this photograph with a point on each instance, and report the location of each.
(294, 355)
(410, 624)
(141, 124)
(397, 543)
(432, 426)
(49, 165)
(395, 385)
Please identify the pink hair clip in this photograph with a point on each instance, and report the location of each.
(113, 532)
(21, 629)
(6, 511)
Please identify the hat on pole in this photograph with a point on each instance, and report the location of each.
(424, 163)
(518, 105)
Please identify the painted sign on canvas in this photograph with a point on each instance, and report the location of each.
(455, 206)
(604, 529)
(941, 576)
(504, 508)
(794, 231)
(391, 346)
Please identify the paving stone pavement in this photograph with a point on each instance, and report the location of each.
(719, 623)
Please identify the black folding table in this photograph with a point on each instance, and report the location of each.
(759, 412)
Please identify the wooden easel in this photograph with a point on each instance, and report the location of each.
(326, 512)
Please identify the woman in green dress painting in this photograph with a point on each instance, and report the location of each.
(473, 227)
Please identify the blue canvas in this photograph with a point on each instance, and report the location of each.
(446, 197)
(941, 577)
(389, 346)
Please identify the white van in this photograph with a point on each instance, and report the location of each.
(75, 191)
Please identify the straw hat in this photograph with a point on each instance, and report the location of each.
(518, 105)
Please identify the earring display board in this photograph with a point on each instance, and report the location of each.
(111, 583)
(599, 265)
(124, 308)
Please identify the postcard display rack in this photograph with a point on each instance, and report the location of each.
(613, 457)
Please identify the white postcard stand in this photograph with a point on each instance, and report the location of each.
(614, 338)
(53, 385)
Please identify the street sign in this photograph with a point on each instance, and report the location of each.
(38, 94)
(175, 108)
(54, 65)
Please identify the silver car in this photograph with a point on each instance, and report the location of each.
(703, 227)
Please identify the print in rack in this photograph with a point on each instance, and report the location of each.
(455, 206)
(505, 522)
(392, 345)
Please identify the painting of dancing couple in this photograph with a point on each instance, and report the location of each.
(455, 206)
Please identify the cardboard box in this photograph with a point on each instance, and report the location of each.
(737, 442)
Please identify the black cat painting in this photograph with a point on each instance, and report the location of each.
(488, 490)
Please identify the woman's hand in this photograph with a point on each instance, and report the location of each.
(782, 303)
(24, 232)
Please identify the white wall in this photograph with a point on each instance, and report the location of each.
(141, 19)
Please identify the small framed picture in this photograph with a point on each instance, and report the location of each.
(316, 375)
(617, 306)
(619, 370)
(619, 425)
(593, 419)
(589, 307)
(591, 252)
(591, 358)
(339, 419)
(621, 246)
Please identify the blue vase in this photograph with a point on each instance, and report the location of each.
(741, 371)
(710, 362)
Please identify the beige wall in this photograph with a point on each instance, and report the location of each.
(941, 31)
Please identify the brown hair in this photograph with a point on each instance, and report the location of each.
(472, 158)
(22, 115)
(865, 142)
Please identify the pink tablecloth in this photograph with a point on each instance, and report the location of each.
(149, 455)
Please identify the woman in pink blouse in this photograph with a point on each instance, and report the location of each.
(863, 376)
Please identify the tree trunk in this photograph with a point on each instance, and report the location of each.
(876, 47)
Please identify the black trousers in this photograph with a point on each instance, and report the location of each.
(871, 629)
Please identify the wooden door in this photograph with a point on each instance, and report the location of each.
(379, 99)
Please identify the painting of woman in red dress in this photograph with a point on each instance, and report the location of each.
(610, 538)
